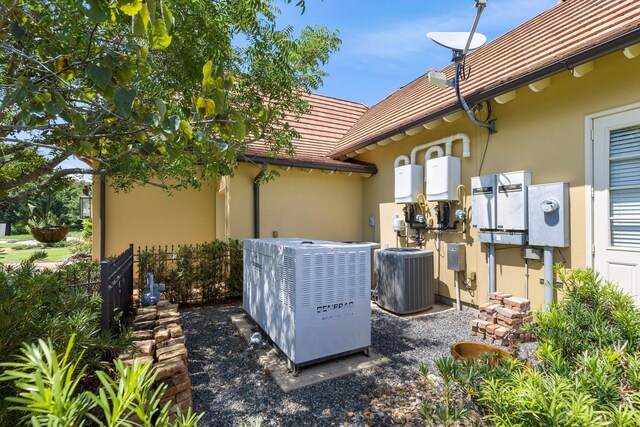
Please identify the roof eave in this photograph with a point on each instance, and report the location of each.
(595, 52)
(360, 167)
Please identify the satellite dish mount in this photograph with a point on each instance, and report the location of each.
(460, 44)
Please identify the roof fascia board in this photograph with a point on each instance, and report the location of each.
(595, 52)
(366, 168)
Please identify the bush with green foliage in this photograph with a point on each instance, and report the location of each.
(49, 392)
(587, 370)
(39, 305)
(209, 272)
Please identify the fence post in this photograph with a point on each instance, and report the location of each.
(104, 292)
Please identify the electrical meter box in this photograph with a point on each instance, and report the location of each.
(483, 202)
(442, 177)
(549, 214)
(511, 200)
(408, 183)
(456, 256)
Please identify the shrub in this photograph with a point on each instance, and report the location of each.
(39, 305)
(592, 314)
(209, 272)
(588, 367)
(49, 393)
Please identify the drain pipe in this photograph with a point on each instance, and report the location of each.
(492, 267)
(103, 214)
(256, 201)
(548, 276)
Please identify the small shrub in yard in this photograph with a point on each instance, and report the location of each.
(209, 272)
(49, 394)
(39, 305)
(588, 364)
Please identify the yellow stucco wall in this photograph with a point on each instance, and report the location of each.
(149, 216)
(542, 132)
(312, 205)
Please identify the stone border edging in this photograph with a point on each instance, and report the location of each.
(159, 339)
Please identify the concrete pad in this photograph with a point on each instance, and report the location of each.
(436, 309)
(277, 366)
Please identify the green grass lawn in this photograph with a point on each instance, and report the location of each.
(53, 255)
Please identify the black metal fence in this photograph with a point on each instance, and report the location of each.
(116, 278)
(194, 274)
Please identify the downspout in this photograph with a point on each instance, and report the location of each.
(103, 196)
(256, 201)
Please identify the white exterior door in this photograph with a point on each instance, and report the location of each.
(616, 199)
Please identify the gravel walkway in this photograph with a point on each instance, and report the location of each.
(230, 387)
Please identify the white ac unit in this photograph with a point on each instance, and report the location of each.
(311, 297)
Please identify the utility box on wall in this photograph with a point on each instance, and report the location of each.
(511, 200)
(549, 214)
(442, 178)
(483, 202)
(456, 256)
(408, 183)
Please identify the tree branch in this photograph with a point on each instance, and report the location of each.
(54, 177)
(34, 174)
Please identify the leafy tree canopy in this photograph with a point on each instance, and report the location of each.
(147, 91)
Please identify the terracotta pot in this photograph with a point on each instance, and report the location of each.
(472, 350)
(49, 234)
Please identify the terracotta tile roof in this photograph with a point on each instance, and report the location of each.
(568, 34)
(320, 131)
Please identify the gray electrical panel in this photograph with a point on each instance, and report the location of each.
(549, 214)
(511, 199)
(456, 256)
(483, 202)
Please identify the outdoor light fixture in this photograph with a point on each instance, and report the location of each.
(85, 207)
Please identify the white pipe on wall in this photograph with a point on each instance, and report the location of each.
(430, 151)
(548, 276)
(492, 267)
(400, 159)
(466, 151)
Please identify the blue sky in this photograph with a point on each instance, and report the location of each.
(384, 45)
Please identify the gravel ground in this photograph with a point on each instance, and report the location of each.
(230, 387)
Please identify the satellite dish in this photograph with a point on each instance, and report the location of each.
(457, 40)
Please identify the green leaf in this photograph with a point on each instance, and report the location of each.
(101, 76)
(53, 108)
(96, 10)
(159, 37)
(130, 7)
(206, 107)
(186, 129)
(239, 130)
(124, 100)
(169, 21)
(79, 123)
(160, 105)
(171, 124)
(206, 69)
(141, 21)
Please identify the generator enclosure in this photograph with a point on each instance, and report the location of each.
(405, 279)
(408, 183)
(484, 202)
(311, 297)
(549, 214)
(442, 178)
(511, 200)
